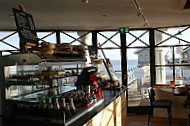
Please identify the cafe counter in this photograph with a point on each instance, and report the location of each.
(112, 111)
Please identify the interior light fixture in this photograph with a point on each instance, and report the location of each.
(140, 12)
(145, 24)
(84, 1)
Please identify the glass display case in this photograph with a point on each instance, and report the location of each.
(44, 89)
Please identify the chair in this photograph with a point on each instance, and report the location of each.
(167, 104)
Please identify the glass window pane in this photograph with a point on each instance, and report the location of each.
(138, 38)
(104, 36)
(182, 75)
(138, 72)
(164, 75)
(51, 38)
(12, 40)
(171, 36)
(114, 56)
(163, 55)
(68, 38)
(182, 55)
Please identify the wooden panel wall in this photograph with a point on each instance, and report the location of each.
(113, 115)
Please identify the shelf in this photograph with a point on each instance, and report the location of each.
(31, 59)
(34, 96)
(10, 82)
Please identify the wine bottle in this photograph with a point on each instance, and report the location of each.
(50, 108)
(72, 106)
(63, 104)
(57, 109)
(68, 112)
(44, 107)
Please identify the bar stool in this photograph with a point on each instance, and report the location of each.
(166, 104)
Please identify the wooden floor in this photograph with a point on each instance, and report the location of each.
(142, 120)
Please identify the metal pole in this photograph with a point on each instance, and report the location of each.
(94, 42)
(58, 39)
(152, 56)
(123, 59)
(2, 91)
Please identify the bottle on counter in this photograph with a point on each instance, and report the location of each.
(63, 104)
(39, 109)
(63, 110)
(93, 96)
(57, 109)
(56, 105)
(44, 106)
(63, 118)
(50, 108)
(68, 112)
(72, 106)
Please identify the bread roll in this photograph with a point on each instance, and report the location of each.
(45, 44)
(47, 51)
(48, 45)
(78, 48)
(61, 73)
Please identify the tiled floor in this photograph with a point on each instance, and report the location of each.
(142, 120)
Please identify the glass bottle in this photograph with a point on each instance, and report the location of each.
(72, 106)
(50, 108)
(63, 105)
(57, 109)
(56, 105)
(44, 107)
(67, 112)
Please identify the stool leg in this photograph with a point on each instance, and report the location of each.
(169, 115)
(150, 114)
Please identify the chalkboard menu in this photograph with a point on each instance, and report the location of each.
(26, 28)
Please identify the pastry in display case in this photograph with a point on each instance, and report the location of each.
(55, 51)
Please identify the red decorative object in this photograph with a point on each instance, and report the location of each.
(93, 78)
(99, 93)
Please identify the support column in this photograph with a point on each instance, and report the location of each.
(2, 91)
(152, 56)
(58, 38)
(85, 39)
(95, 42)
(123, 59)
(160, 60)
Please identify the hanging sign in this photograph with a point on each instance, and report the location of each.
(25, 26)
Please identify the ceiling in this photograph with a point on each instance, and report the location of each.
(97, 14)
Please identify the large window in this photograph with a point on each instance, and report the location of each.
(9, 41)
(110, 43)
(138, 67)
(172, 56)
